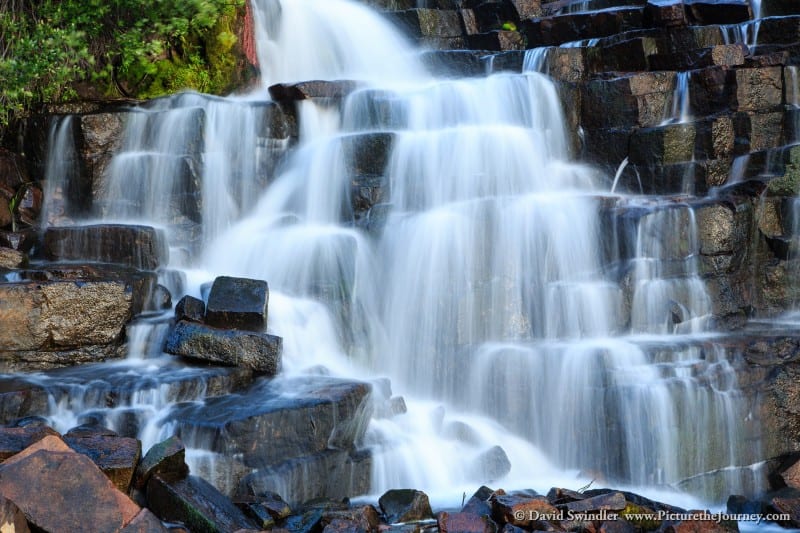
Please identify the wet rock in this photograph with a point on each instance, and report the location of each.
(363, 517)
(630, 100)
(722, 55)
(117, 457)
(282, 92)
(238, 303)
(491, 464)
(559, 29)
(428, 22)
(260, 352)
(664, 14)
(265, 509)
(717, 11)
(669, 144)
(62, 490)
(778, 8)
(791, 476)
(702, 526)
(465, 523)
(12, 519)
(339, 525)
(759, 89)
(30, 204)
(12, 259)
(191, 309)
(522, 511)
(268, 427)
(454, 63)
(257, 513)
(558, 496)
(14, 440)
(405, 505)
(367, 154)
(22, 239)
(497, 40)
(167, 459)
(20, 398)
(614, 501)
(195, 503)
(478, 503)
(790, 506)
(137, 246)
(62, 314)
(145, 522)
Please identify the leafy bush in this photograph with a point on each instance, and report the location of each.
(124, 47)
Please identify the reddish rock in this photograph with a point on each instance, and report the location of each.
(12, 259)
(63, 490)
(405, 505)
(465, 523)
(167, 459)
(522, 511)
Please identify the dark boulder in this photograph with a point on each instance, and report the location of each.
(260, 352)
(664, 14)
(238, 303)
(708, 12)
(191, 309)
(145, 522)
(15, 439)
(137, 246)
(405, 505)
(491, 464)
(268, 426)
(305, 90)
(194, 503)
(116, 456)
(167, 459)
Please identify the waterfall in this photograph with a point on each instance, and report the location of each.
(680, 112)
(486, 298)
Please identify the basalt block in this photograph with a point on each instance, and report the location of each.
(405, 505)
(635, 100)
(497, 40)
(195, 503)
(559, 29)
(238, 303)
(669, 144)
(425, 22)
(664, 14)
(260, 352)
(115, 456)
(327, 474)
(759, 89)
(278, 419)
(708, 12)
(778, 8)
(15, 439)
(137, 246)
(62, 314)
(305, 90)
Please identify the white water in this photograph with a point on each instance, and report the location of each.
(680, 111)
(485, 299)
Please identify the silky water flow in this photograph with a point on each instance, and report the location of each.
(489, 295)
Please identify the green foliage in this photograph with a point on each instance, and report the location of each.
(125, 47)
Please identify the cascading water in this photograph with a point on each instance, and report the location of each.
(487, 297)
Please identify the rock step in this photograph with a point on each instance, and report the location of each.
(276, 419)
(96, 390)
(328, 474)
(137, 246)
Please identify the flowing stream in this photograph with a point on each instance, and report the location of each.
(496, 297)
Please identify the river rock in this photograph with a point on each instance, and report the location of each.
(613, 501)
(116, 456)
(363, 517)
(405, 505)
(260, 352)
(491, 464)
(238, 303)
(167, 459)
(478, 503)
(268, 427)
(61, 490)
(137, 246)
(195, 503)
(62, 314)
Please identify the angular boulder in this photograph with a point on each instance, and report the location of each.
(260, 352)
(14, 440)
(195, 503)
(405, 505)
(62, 314)
(116, 456)
(191, 309)
(465, 523)
(141, 247)
(238, 303)
(61, 490)
(167, 459)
